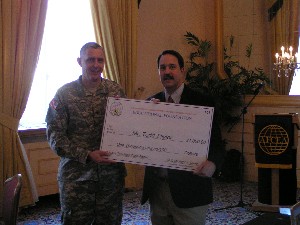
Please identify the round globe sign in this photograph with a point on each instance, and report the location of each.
(273, 140)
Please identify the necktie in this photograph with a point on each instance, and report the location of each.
(170, 99)
(163, 172)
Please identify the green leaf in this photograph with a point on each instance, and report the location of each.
(249, 50)
(227, 93)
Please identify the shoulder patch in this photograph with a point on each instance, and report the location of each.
(53, 104)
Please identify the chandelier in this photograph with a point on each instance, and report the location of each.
(286, 63)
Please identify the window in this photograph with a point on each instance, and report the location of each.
(296, 79)
(68, 26)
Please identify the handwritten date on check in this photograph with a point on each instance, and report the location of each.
(167, 135)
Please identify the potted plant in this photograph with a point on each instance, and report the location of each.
(229, 93)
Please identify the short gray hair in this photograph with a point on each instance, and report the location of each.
(89, 45)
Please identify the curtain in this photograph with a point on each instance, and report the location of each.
(285, 27)
(115, 23)
(21, 25)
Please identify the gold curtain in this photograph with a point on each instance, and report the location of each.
(115, 24)
(285, 32)
(22, 25)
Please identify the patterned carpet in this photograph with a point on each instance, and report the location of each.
(47, 210)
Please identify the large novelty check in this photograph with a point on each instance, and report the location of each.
(164, 135)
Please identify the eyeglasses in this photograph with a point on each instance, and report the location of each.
(164, 67)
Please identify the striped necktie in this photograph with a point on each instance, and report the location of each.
(170, 99)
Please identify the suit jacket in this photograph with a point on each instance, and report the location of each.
(188, 190)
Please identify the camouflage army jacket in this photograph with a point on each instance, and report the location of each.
(75, 120)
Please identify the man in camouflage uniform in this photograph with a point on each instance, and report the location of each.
(91, 187)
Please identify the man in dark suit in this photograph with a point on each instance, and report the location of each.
(181, 197)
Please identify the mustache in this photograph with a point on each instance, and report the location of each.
(168, 77)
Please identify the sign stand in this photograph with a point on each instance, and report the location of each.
(276, 138)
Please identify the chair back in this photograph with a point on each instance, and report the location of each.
(11, 197)
(295, 214)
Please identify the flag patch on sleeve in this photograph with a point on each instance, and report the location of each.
(53, 104)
